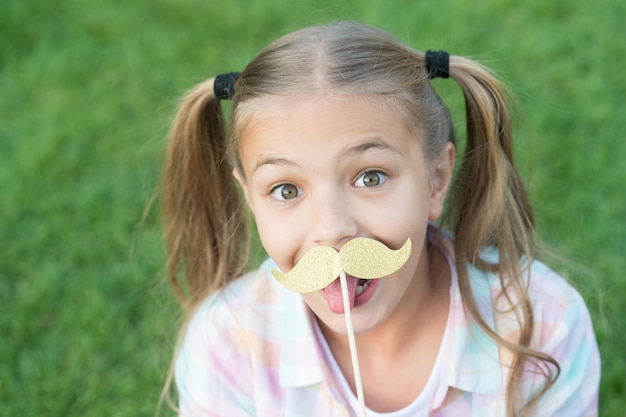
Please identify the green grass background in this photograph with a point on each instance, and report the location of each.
(87, 89)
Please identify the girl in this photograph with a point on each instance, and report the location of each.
(336, 133)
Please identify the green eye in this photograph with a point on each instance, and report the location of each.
(370, 179)
(285, 192)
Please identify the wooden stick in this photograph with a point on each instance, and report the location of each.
(355, 359)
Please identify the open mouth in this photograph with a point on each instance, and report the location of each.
(358, 293)
(362, 286)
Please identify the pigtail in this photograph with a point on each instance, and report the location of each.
(206, 229)
(494, 209)
(490, 208)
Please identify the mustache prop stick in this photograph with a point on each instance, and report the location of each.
(361, 258)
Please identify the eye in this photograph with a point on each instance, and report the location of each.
(285, 192)
(370, 179)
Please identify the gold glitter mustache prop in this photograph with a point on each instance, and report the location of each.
(360, 257)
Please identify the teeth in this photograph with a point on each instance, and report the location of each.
(362, 287)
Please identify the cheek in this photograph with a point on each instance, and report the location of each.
(394, 220)
(278, 237)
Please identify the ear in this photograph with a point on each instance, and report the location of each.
(242, 183)
(442, 170)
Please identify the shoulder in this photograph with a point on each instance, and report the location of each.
(560, 315)
(563, 323)
(236, 326)
(562, 329)
(555, 301)
(248, 305)
(548, 291)
(229, 338)
(549, 286)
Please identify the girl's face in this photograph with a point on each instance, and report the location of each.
(323, 170)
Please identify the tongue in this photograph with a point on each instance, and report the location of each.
(332, 294)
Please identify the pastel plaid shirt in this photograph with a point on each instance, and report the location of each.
(250, 350)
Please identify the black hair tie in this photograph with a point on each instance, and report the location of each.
(438, 64)
(224, 85)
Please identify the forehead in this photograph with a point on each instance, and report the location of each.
(319, 127)
(282, 111)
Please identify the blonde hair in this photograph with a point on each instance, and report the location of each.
(206, 226)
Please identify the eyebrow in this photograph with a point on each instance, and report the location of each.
(375, 143)
(273, 161)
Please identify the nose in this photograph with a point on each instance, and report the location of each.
(333, 222)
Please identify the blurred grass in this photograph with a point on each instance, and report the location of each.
(88, 89)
